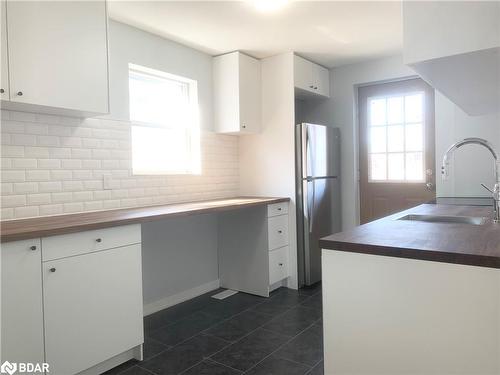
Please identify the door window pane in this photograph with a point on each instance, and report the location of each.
(377, 112)
(414, 108)
(378, 139)
(414, 137)
(395, 110)
(378, 167)
(396, 138)
(414, 166)
(396, 164)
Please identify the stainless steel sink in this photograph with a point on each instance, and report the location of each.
(445, 219)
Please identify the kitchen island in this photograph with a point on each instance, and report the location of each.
(417, 292)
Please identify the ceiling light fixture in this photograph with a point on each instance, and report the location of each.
(269, 5)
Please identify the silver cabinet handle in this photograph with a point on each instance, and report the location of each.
(53, 269)
(33, 247)
(19, 93)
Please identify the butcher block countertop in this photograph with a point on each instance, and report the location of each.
(476, 245)
(20, 229)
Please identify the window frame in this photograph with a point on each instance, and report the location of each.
(191, 126)
(386, 126)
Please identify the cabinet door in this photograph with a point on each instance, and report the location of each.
(249, 92)
(58, 54)
(22, 317)
(93, 308)
(4, 76)
(321, 78)
(302, 71)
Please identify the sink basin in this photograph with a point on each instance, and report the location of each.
(445, 219)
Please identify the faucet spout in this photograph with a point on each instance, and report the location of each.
(495, 192)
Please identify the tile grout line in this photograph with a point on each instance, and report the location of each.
(263, 359)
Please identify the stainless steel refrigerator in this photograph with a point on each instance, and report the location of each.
(318, 194)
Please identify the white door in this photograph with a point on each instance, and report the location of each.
(4, 77)
(21, 301)
(58, 54)
(321, 78)
(93, 308)
(302, 74)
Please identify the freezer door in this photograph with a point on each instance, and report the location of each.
(321, 212)
(320, 151)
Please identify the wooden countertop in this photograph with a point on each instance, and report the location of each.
(20, 229)
(476, 245)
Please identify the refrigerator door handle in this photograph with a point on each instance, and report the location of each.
(311, 207)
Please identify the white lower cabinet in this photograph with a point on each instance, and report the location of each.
(278, 265)
(21, 301)
(93, 308)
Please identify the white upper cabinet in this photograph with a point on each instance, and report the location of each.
(455, 47)
(237, 93)
(58, 57)
(310, 78)
(4, 77)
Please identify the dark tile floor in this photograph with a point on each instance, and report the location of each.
(242, 334)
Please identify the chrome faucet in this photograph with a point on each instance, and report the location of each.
(495, 192)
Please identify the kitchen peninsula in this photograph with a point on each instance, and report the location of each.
(417, 292)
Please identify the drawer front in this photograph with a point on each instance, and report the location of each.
(79, 243)
(278, 265)
(276, 209)
(278, 231)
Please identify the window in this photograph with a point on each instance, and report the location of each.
(165, 128)
(396, 138)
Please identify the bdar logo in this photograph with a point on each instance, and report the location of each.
(8, 368)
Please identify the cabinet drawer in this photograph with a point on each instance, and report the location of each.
(276, 209)
(277, 231)
(66, 245)
(278, 265)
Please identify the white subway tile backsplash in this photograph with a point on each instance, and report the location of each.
(54, 165)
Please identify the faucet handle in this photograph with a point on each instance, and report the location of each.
(487, 188)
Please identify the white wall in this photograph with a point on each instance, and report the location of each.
(452, 124)
(267, 159)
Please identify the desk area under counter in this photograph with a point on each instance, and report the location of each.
(115, 263)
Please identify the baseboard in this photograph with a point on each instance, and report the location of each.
(185, 295)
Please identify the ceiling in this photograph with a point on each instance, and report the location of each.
(329, 33)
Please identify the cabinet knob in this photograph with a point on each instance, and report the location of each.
(280, 231)
(19, 93)
(244, 126)
(53, 269)
(280, 264)
(2, 91)
(315, 87)
(311, 87)
(33, 247)
(98, 240)
(279, 208)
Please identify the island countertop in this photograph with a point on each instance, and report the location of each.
(476, 245)
(21, 229)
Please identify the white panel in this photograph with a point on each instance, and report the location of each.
(278, 231)
(93, 308)
(250, 94)
(22, 317)
(4, 63)
(89, 241)
(385, 315)
(58, 54)
(302, 73)
(322, 80)
(226, 93)
(278, 265)
(276, 209)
